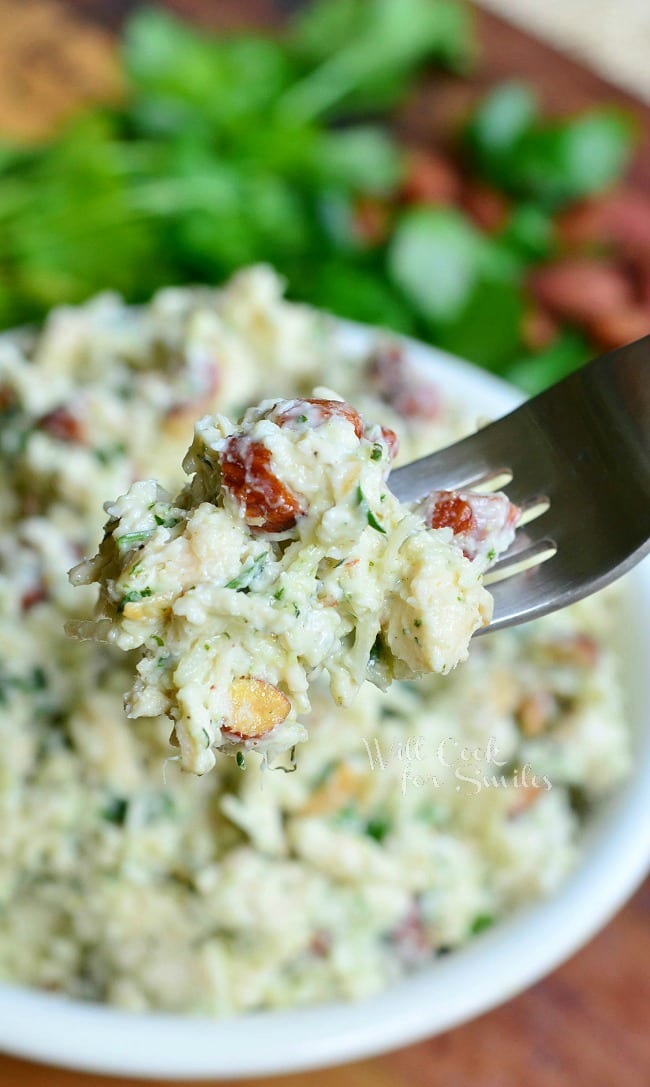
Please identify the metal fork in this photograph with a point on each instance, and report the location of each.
(578, 458)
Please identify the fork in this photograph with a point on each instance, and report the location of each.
(576, 460)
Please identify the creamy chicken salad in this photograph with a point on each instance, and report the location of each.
(411, 820)
(286, 556)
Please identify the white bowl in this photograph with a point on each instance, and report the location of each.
(491, 969)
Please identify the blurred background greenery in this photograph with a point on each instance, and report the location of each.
(515, 246)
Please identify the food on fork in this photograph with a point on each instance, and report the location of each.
(284, 557)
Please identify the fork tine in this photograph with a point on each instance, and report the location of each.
(533, 508)
(520, 559)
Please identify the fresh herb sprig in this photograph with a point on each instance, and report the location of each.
(233, 149)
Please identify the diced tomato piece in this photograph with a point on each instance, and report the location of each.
(31, 597)
(621, 218)
(62, 424)
(320, 943)
(452, 511)
(581, 289)
(247, 474)
(395, 382)
(484, 524)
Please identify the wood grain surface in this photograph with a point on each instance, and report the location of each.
(588, 1024)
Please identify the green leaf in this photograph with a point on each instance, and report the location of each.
(536, 372)
(559, 163)
(502, 118)
(223, 217)
(436, 258)
(487, 330)
(183, 76)
(77, 231)
(362, 52)
(361, 158)
(551, 162)
(529, 233)
(356, 291)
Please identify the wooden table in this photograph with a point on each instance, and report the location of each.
(587, 1024)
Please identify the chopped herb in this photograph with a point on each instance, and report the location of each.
(162, 662)
(248, 575)
(491, 555)
(115, 811)
(296, 609)
(105, 456)
(131, 539)
(417, 623)
(390, 713)
(157, 639)
(374, 523)
(377, 828)
(38, 679)
(240, 760)
(207, 737)
(302, 418)
(34, 681)
(132, 597)
(293, 764)
(279, 594)
(166, 522)
(370, 517)
(377, 452)
(481, 923)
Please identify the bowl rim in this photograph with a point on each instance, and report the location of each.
(488, 971)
